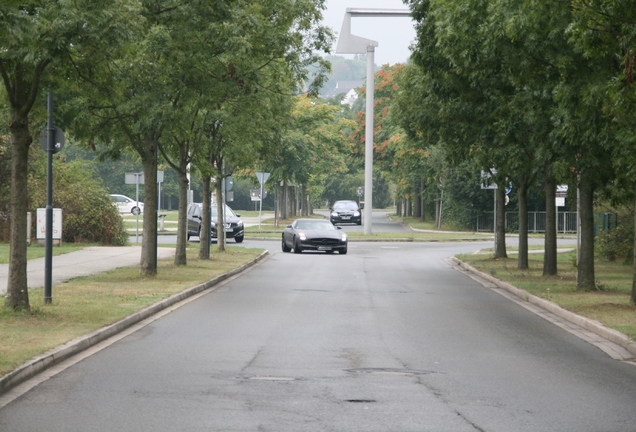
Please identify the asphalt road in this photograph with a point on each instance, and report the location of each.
(386, 338)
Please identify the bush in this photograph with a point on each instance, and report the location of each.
(617, 243)
(88, 214)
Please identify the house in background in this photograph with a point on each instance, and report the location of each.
(346, 87)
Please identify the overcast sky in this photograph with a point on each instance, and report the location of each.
(394, 35)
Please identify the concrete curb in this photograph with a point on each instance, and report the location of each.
(57, 355)
(594, 326)
(385, 240)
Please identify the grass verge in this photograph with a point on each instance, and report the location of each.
(610, 304)
(35, 251)
(86, 304)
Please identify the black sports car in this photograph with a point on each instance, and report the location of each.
(314, 234)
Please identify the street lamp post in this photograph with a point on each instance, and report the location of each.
(351, 44)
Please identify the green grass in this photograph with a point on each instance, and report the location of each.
(86, 304)
(34, 251)
(610, 304)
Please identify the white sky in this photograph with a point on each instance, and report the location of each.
(394, 35)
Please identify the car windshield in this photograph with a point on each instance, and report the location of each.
(227, 213)
(345, 206)
(315, 225)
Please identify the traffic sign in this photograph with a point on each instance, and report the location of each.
(228, 183)
(58, 139)
(262, 177)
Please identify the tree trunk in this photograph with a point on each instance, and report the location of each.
(220, 225)
(182, 226)
(283, 202)
(17, 296)
(522, 262)
(633, 298)
(277, 204)
(550, 253)
(500, 244)
(304, 209)
(423, 200)
(206, 219)
(148, 263)
(585, 276)
(417, 200)
(438, 213)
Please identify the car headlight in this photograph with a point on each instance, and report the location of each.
(334, 214)
(213, 224)
(356, 214)
(302, 236)
(344, 237)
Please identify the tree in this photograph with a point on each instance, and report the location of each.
(606, 32)
(37, 35)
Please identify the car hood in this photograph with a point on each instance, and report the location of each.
(227, 219)
(323, 234)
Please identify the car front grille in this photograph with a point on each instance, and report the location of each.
(324, 242)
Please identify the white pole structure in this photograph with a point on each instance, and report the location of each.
(368, 144)
(351, 44)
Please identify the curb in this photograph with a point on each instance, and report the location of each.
(386, 240)
(594, 326)
(57, 355)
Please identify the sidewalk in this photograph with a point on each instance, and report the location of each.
(85, 262)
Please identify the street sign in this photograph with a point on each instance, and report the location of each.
(134, 178)
(41, 224)
(485, 180)
(227, 184)
(58, 139)
(562, 191)
(255, 194)
(360, 191)
(262, 177)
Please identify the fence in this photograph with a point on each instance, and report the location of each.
(566, 222)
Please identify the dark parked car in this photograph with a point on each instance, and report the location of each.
(345, 212)
(314, 234)
(233, 224)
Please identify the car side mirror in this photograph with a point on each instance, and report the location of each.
(289, 226)
(238, 214)
(338, 226)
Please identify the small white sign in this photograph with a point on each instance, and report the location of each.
(41, 224)
(134, 178)
(560, 201)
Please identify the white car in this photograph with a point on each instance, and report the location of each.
(127, 205)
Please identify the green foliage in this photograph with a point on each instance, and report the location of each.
(617, 243)
(615, 240)
(88, 214)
